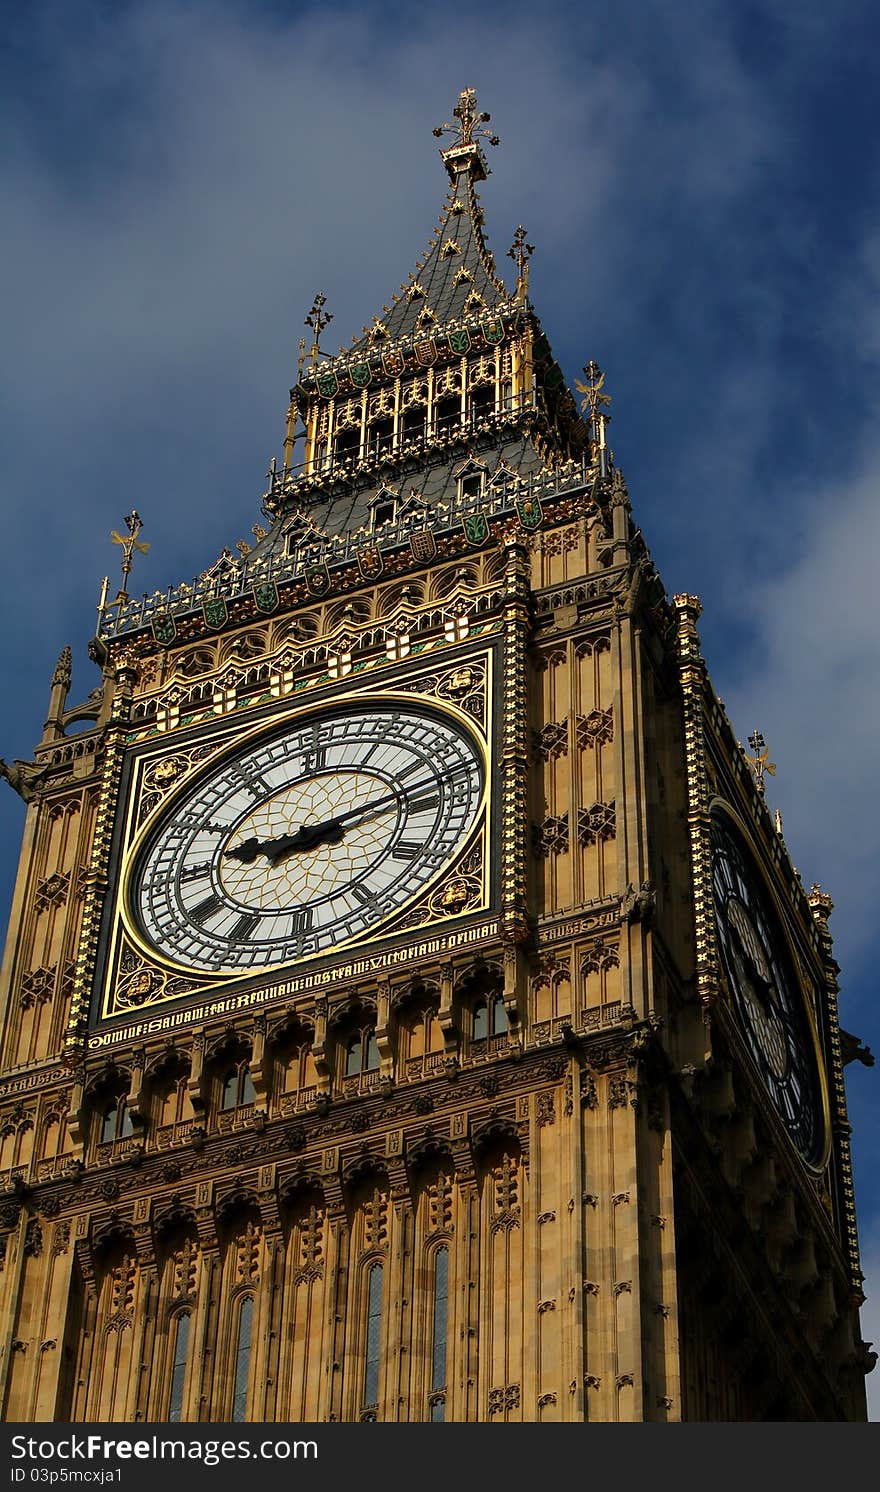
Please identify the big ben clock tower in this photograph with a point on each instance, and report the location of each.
(411, 1012)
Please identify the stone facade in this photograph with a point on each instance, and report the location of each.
(509, 1156)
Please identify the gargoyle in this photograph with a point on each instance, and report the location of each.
(24, 777)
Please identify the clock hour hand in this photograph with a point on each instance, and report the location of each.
(309, 836)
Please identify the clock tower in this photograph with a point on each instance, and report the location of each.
(410, 1009)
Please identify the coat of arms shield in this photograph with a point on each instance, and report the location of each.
(426, 352)
(164, 629)
(476, 528)
(266, 596)
(370, 561)
(318, 578)
(215, 613)
(423, 545)
(360, 375)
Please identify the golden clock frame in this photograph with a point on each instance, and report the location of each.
(149, 983)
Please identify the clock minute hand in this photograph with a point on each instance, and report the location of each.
(331, 831)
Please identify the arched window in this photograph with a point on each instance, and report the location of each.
(347, 443)
(242, 1362)
(489, 1018)
(373, 1342)
(237, 1087)
(116, 1122)
(482, 402)
(180, 1330)
(471, 484)
(353, 1056)
(438, 1336)
(447, 412)
(371, 1052)
(361, 1053)
(414, 422)
(380, 437)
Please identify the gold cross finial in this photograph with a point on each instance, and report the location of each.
(758, 761)
(129, 545)
(469, 128)
(521, 252)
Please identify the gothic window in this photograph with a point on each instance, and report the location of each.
(482, 402)
(384, 511)
(347, 443)
(180, 1336)
(361, 1053)
(447, 412)
(413, 426)
(489, 1017)
(237, 1087)
(373, 1341)
(438, 1334)
(380, 437)
(242, 1361)
(116, 1122)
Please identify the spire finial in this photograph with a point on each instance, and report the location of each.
(594, 405)
(521, 252)
(758, 761)
(129, 545)
(317, 319)
(465, 151)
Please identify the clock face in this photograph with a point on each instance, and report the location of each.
(305, 838)
(765, 988)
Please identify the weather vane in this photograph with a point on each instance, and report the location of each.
(758, 761)
(129, 545)
(317, 319)
(469, 128)
(521, 252)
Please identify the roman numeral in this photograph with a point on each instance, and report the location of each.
(205, 909)
(366, 898)
(422, 805)
(243, 928)
(314, 761)
(300, 921)
(405, 849)
(195, 872)
(416, 766)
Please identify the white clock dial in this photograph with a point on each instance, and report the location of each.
(307, 838)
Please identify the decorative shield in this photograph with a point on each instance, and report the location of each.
(476, 528)
(493, 331)
(370, 561)
(164, 629)
(460, 341)
(266, 596)
(328, 384)
(318, 578)
(426, 352)
(393, 362)
(528, 511)
(215, 613)
(423, 546)
(360, 375)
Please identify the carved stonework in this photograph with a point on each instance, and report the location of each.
(51, 892)
(595, 729)
(37, 986)
(551, 836)
(596, 823)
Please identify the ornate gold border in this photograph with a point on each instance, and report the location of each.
(182, 981)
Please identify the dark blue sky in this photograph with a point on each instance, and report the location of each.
(701, 183)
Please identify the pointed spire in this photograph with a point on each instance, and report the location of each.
(63, 669)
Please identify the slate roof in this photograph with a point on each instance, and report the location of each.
(455, 268)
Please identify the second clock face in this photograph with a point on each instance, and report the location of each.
(765, 988)
(307, 838)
